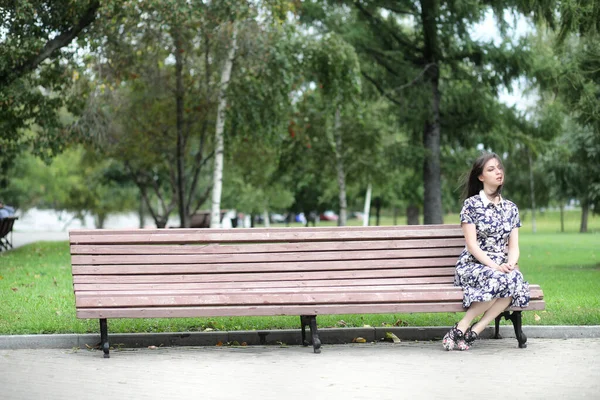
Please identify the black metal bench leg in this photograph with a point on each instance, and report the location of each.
(104, 337)
(315, 334)
(506, 316)
(518, 325)
(311, 320)
(304, 322)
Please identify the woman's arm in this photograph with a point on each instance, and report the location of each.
(513, 248)
(472, 247)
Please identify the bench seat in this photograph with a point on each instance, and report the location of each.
(159, 273)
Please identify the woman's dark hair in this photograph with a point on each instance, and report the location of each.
(473, 185)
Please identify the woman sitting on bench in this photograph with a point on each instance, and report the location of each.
(487, 268)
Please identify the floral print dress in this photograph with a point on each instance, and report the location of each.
(493, 224)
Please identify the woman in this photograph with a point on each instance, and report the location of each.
(487, 268)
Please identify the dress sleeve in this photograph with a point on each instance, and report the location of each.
(467, 213)
(516, 219)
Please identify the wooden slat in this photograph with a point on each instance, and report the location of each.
(266, 310)
(274, 276)
(275, 229)
(320, 256)
(267, 247)
(266, 299)
(260, 267)
(436, 280)
(193, 236)
(535, 292)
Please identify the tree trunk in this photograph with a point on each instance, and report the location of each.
(412, 214)
(532, 191)
(215, 220)
(585, 211)
(337, 132)
(367, 206)
(377, 210)
(100, 221)
(141, 214)
(432, 204)
(179, 102)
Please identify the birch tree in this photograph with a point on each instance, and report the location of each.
(215, 216)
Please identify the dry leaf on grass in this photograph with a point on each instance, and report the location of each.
(537, 317)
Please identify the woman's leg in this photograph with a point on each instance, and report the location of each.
(476, 309)
(491, 313)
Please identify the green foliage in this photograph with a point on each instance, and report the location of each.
(36, 69)
(75, 181)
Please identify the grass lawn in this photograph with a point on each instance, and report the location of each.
(37, 295)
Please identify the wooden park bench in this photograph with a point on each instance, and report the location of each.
(307, 272)
(6, 228)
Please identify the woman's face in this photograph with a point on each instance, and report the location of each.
(493, 174)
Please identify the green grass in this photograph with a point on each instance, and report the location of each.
(37, 295)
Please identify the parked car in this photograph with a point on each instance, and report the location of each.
(328, 216)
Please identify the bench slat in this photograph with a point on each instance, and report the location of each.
(267, 310)
(265, 299)
(253, 297)
(251, 236)
(81, 287)
(536, 292)
(260, 267)
(266, 247)
(320, 256)
(271, 276)
(243, 231)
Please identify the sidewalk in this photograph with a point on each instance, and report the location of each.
(547, 369)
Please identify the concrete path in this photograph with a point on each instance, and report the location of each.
(547, 369)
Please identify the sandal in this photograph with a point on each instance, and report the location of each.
(455, 339)
(470, 336)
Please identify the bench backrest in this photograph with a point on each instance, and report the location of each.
(180, 258)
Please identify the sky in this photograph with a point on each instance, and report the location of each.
(488, 30)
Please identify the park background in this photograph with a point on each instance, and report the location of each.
(122, 114)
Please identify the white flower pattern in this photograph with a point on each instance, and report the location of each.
(493, 224)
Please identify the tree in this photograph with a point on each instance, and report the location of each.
(151, 96)
(421, 51)
(333, 66)
(35, 73)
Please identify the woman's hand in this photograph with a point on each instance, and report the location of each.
(506, 267)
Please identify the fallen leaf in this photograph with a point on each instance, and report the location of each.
(366, 326)
(58, 312)
(392, 337)
(14, 289)
(208, 330)
(219, 343)
(537, 317)
(244, 344)
(359, 340)
(341, 322)
(152, 347)
(1, 277)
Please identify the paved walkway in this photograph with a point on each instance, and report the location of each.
(547, 369)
